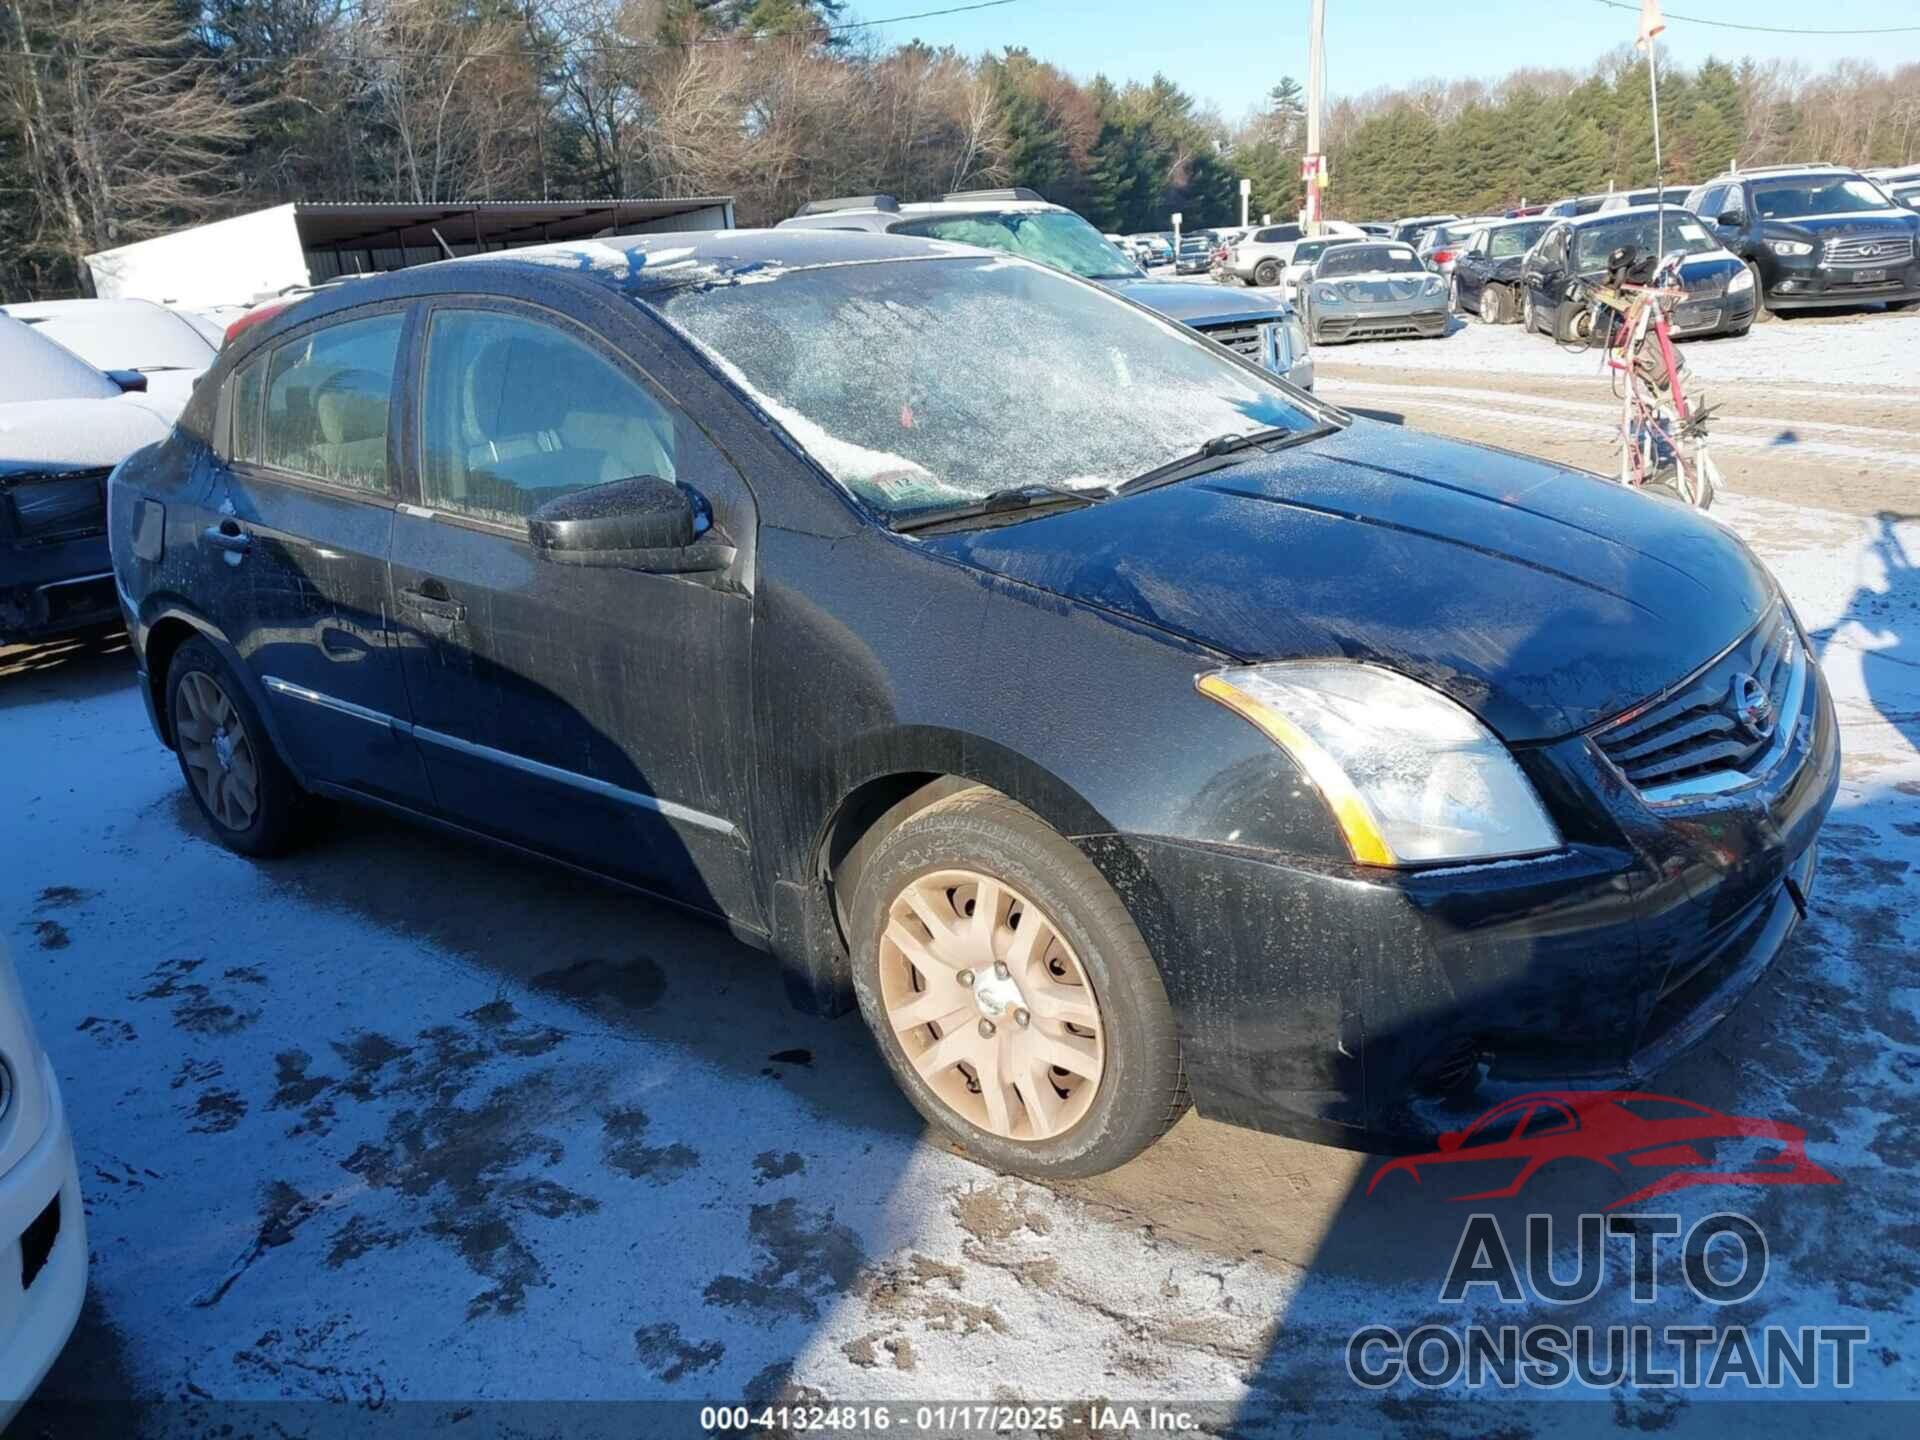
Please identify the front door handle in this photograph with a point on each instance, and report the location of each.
(228, 536)
(438, 613)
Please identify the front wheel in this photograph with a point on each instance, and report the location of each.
(1011, 993)
(1529, 316)
(1493, 308)
(1760, 312)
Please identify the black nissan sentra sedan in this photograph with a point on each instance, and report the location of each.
(1111, 721)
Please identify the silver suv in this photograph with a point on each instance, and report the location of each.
(1019, 221)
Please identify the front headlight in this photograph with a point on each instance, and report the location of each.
(1326, 294)
(1410, 776)
(69, 504)
(1791, 247)
(1740, 281)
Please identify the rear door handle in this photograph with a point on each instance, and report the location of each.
(228, 536)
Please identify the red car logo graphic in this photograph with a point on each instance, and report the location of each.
(1675, 1143)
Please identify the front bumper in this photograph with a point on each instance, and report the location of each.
(49, 589)
(1713, 315)
(1374, 1010)
(43, 1238)
(1336, 327)
(1799, 283)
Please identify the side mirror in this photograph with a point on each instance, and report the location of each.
(131, 382)
(1732, 219)
(642, 523)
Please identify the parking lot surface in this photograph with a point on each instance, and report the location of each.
(401, 1120)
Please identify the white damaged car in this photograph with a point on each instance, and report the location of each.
(43, 1275)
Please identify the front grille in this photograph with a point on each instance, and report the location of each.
(1248, 340)
(59, 507)
(1869, 250)
(1723, 726)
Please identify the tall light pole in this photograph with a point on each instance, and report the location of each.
(1313, 166)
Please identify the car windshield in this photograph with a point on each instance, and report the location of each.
(920, 384)
(120, 335)
(1681, 232)
(1308, 251)
(1053, 237)
(1511, 240)
(32, 367)
(1364, 259)
(1804, 196)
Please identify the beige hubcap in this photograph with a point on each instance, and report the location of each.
(219, 756)
(991, 1005)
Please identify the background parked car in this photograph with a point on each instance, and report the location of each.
(1486, 274)
(1409, 230)
(1154, 249)
(1442, 244)
(1019, 221)
(1625, 199)
(1372, 291)
(40, 1208)
(1303, 255)
(1814, 236)
(1573, 205)
(1377, 228)
(63, 426)
(1262, 257)
(1195, 254)
(1720, 292)
(170, 348)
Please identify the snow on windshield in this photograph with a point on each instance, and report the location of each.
(120, 334)
(32, 367)
(917, 382)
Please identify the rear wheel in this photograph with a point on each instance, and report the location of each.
(249, 798)
(1011, 993)
(1267, 272)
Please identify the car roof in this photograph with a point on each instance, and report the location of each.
(872, 217)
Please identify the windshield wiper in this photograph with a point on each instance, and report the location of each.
(996, 502)
(1221, 450)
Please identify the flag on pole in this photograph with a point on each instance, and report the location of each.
(1651, 24)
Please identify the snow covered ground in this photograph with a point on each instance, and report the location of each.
(396, 1120)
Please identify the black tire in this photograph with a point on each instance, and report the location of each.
(1142, 1090)
(283, 814)
(1267, 272)
(1760, 312)
(1529, 314)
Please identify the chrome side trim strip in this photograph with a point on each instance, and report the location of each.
(673, 810)
(330, 702)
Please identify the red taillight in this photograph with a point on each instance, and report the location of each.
(1441, 257)
(252, 318)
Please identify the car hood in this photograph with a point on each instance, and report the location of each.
(1894, 220)
(1543, 599)
(36, 434)
(1199, 304)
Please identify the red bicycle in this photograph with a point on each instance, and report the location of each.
(1663, 432)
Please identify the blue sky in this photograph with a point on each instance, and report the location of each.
(1230, 51)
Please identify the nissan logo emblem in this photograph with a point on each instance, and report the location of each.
(1752, 707)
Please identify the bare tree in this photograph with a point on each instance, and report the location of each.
(120, 131)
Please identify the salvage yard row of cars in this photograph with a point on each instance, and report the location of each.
(1756, 242)
(675, 559)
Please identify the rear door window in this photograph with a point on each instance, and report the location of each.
(328, 397)
(518, 412)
